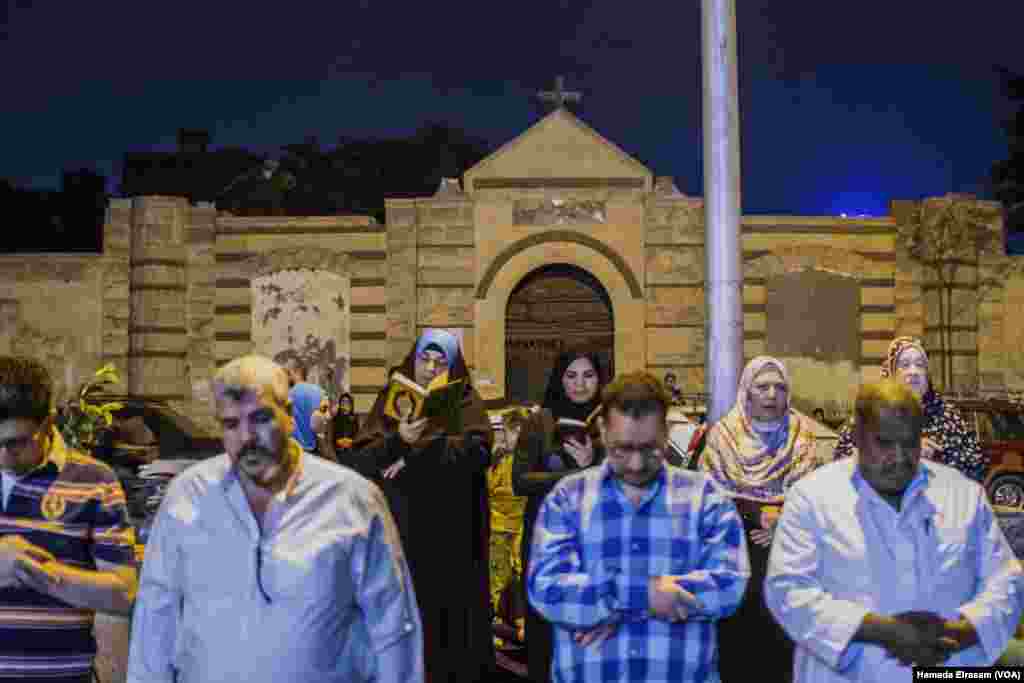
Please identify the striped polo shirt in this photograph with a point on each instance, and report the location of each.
(73, 506)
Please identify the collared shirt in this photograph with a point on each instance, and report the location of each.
(841, 551)
(594, 552)
(321, 595)
(73, 506)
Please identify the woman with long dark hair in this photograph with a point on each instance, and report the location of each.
(542, 459)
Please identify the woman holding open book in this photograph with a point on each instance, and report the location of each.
(431, 464)
(556, 442)
(754, 454)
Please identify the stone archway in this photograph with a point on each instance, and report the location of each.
(516, 263)
(553, 308)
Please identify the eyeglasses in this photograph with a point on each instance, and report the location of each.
(439, 362)
(646, 452)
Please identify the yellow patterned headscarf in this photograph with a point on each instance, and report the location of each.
(742, 462)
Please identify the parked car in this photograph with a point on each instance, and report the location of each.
(144, 432)
(174, 436)
(999, 424)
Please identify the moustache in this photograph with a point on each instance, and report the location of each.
(254, 451)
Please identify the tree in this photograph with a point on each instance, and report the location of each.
(944, 234)
(356, 176)
(1008, 175)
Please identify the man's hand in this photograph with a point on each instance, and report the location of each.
(412, 431)
(580, 451)
(594, 636)
(918, 638)
(929, 448)
(669, 601)
(769, 516)
(15, 549)
(392, 470)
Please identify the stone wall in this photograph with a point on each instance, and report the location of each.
(350, 247)
(51, 308)
(172, 297)
(674, 288)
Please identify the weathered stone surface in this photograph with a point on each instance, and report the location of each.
(446, 266)
(675, 265)
(675, 305)
(446, 213)
(447, 307)
(675, 346)
(172, 343)
(441, 235)
(399, 216)
(674, 223)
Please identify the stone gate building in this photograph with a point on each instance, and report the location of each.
(181, 289)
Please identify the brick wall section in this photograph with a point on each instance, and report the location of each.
(674, 288)
(402, 267)
(201, 281)
(158, 329)
(117, 243)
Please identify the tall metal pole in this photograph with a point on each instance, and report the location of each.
(723, 246)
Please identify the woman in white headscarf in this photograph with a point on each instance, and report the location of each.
(754, 454)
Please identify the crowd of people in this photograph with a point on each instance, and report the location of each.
(322, 547)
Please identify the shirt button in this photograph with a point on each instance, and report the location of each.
(635, 653)
(408, 627)
(636, 546)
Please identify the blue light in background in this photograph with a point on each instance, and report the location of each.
(857, 204)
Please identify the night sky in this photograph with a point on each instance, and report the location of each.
(844, 105)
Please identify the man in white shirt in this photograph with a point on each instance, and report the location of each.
(268, 564)
(886, 561)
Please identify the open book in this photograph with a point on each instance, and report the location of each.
(441, 401)
(577, 430)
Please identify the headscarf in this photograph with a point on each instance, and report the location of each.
(753, 464)
(445, 341)
(943, 424)
(555, 398)
(896, 347)
(474, 415)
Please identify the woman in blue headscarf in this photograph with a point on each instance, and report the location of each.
(436, 486)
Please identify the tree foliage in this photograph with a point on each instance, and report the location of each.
(1008, 174)
(355, 176)
(943, 234)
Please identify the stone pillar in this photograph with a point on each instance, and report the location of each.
(403, 264)
(158, 329)
(201, 279)
(117, 245)
(724, 285)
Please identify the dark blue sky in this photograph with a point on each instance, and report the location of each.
(844, 105)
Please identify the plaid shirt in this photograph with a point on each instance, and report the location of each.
(592, 557)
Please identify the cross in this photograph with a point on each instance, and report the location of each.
(559, 96)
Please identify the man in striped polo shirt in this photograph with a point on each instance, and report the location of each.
(65, 542)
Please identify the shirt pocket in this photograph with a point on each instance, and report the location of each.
(211, 569)
(953, 565)
(299, 572)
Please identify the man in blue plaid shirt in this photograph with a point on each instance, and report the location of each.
(635, 561)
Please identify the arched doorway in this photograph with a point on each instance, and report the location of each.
(553, 308)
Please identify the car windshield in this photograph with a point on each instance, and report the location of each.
(1007, 426)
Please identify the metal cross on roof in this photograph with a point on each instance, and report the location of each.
(559, 96)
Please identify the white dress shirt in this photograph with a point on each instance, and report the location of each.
(322, 595)
(841, 551)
